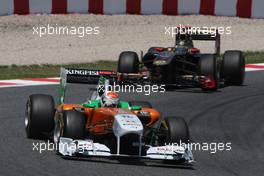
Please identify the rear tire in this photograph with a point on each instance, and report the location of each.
(233, 68)
(143, 104)
(178, 131)
(208, 67)
(128, 62)
(39, 116)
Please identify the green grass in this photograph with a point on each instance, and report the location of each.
(254, 57)
(46, 70)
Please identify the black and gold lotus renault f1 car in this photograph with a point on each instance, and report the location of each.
(183, 64)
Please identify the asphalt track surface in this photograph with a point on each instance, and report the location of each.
(234, 114)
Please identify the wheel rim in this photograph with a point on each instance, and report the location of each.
(26, 122)
(27, 117)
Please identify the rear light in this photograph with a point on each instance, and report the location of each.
(208, 82)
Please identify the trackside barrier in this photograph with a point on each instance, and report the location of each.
(240, 8)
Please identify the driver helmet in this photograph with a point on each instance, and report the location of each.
(182, 43)
(110, 99)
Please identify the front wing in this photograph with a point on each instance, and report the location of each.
(87, 148)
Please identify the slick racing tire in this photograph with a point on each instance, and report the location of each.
(233, 68)
(208, 67)
(39, 115)
(128, 62)
(73, 125)
(143, 104)
(178, 131)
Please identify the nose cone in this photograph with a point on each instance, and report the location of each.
(127, 123)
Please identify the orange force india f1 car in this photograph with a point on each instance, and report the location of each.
(117, 129)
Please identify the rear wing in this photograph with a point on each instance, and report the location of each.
(82, 76)
(85, 76)
(204, 34)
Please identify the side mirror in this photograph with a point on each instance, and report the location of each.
(136, 108)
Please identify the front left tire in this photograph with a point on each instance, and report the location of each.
(71, 125)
